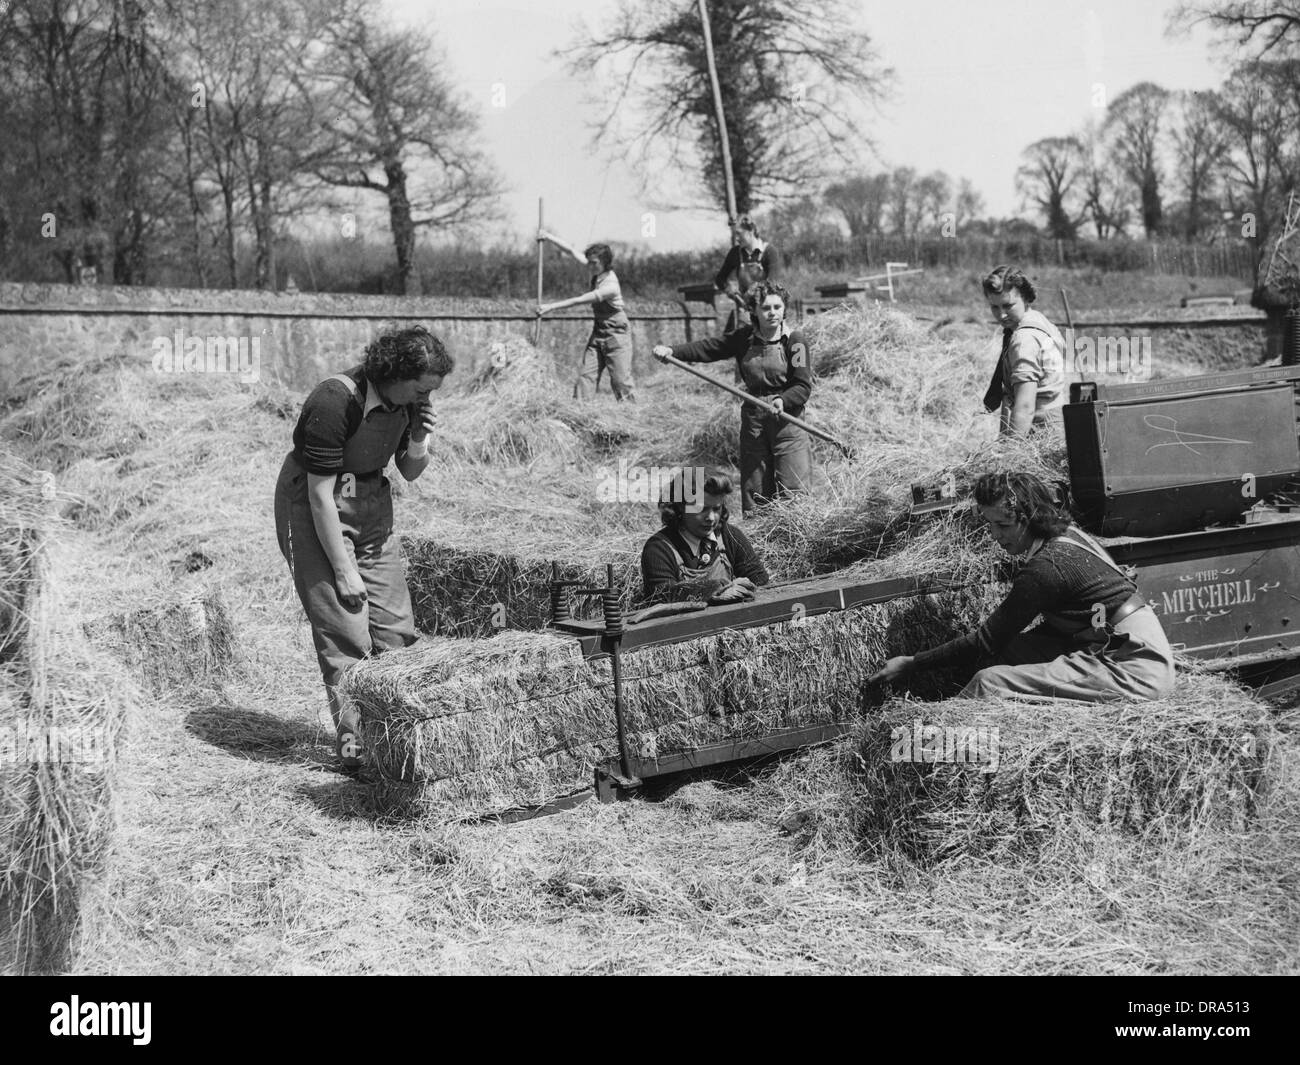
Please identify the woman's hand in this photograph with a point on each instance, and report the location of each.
(662, 352)
(741, 590)
(425, 423)
(351, 588)
(542, 309)
(777, 404)
(892, 670)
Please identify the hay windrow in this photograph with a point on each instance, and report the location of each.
(520, 720)
(62, 707)
(1054, 771)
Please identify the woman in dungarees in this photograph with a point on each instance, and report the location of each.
(1028, 386)
(750, 260)
(1099, 640)
(698, 554)
(334, 510)
(774, 365)
(610, 345)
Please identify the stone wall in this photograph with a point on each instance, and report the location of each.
(294, 339)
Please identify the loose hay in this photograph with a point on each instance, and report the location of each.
(61, 710)
(187, 638)
(460, 729)
(1050, 773)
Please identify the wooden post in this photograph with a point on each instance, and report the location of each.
(541, 250)
(722, 118)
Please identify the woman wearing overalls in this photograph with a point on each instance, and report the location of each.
(698, 554)
(610, 345)
(749, 261)
(774, 365)
(334, 510)
(1099, 640)
(1028, 386)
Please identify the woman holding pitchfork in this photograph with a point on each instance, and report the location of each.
(774, 365)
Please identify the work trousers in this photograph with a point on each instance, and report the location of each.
(1137, 663)
(384, 621)
(775, 458)
(606, 351)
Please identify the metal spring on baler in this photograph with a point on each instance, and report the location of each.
(613, 608)
(561, 604)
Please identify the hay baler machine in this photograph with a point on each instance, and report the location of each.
(1190, 481)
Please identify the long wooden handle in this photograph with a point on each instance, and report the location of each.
(797, 422)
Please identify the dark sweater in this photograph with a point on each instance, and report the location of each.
(789, 376)
(769, 258)
(661, 572)
(1062, 579)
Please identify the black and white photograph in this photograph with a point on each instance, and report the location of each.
(650, 488)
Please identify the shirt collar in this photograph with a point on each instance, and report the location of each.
(694, 542)
(373, 400)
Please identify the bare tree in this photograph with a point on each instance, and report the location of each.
(969, 205)
(1266, 25)
(1199, 144)
(399, 129)
(791, 73)
(86, 140)
(1106, 200)
(1133, 125)
(902, 198)
(861, 200)
(1253, 108)
(1049, 177)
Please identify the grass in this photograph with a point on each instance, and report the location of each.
(240, 850)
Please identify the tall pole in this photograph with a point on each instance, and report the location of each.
(537, 325)
(717, 108)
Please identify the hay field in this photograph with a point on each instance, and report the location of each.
(240, 850)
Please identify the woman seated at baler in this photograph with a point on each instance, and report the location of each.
(1099, 639)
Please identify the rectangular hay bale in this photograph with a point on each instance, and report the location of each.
(188, 639)
(475, 594)
(1171, 767)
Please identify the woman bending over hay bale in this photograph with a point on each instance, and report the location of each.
(334, 508)
(1099, 640)
(1005, 779)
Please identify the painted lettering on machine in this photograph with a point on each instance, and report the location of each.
(1206, 594)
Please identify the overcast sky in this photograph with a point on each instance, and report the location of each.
(975, 83)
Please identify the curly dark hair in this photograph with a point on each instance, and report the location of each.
(755, 296)
(1027, 497)
(601, 252)
(406, 355)
(1005, 277)
(672, 500)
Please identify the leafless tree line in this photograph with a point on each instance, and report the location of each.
(138, 133)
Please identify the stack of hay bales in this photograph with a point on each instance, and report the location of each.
(1005, 779)
(62, 707)
(469, 729)
(183, 639)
